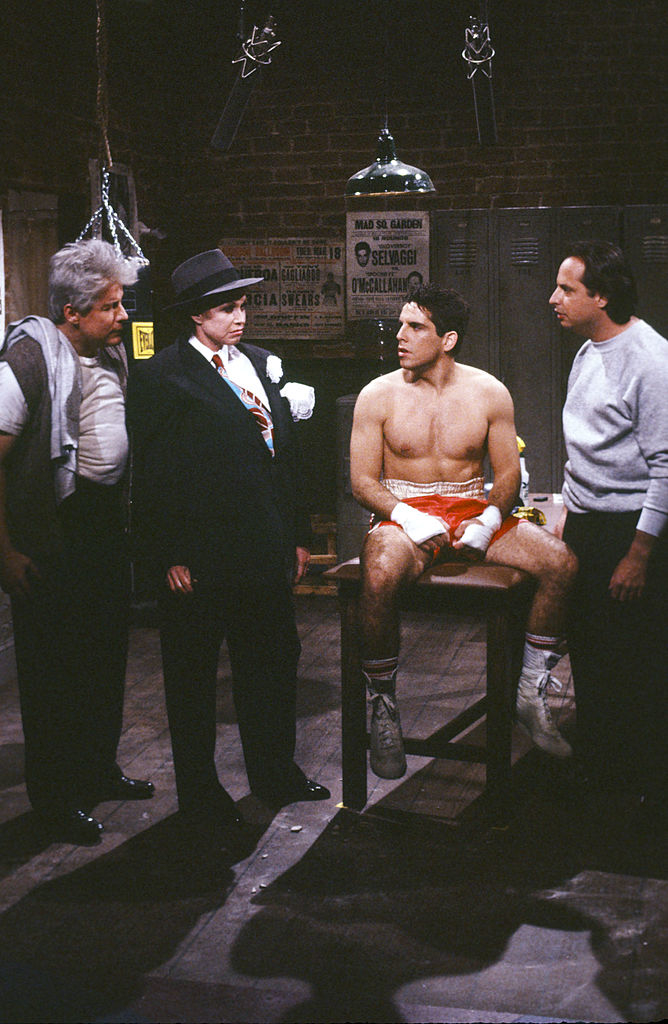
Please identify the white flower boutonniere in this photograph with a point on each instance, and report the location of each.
(301, 398)
(274, 369)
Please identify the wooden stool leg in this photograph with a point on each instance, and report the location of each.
(353, 708)
(499, 710)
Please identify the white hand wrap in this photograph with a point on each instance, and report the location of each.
(480, 531)
(418, 525)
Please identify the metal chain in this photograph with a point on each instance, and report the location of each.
(114, 222)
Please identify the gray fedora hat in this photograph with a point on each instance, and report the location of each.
(205, 276)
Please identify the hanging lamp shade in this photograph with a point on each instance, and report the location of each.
(388, 175)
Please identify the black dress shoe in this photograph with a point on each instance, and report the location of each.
(294, 792)
(75, 827)
(123, 788)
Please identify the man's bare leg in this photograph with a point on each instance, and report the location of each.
(554, 566)
(389, 561)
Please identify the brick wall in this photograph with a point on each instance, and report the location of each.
(580, 93)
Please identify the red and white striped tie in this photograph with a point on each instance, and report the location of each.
(252, 402)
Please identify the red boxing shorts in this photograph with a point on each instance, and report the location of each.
(452, 510)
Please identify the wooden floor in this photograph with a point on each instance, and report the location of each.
(425, 907)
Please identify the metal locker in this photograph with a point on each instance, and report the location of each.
(460, 260)
(646, 246)
(581, 223)
(528, 357)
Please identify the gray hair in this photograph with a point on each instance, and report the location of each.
(81, 271)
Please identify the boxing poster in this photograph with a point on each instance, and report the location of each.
(385, 254)
(302, 297)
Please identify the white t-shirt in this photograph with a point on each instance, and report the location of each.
(103, 437)
(13, 408)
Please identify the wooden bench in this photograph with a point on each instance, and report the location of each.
(497, 593)
(315, 583)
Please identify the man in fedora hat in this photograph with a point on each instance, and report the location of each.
(216, 479)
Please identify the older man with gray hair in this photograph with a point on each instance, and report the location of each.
(63, 558)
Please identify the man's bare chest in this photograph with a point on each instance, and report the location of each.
(452, 429)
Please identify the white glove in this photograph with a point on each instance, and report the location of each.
(480, 531)
(301, 398)
(418, 525)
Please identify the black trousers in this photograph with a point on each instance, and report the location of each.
(71, 641)
(619, 656)
(256, 616)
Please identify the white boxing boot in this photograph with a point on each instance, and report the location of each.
(532, 709)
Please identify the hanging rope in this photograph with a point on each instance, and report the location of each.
(102, 95)
(114, 222)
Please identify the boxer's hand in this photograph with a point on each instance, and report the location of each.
(419, 526)
(433, 545)
(476, 534)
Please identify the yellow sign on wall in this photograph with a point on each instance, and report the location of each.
(143, 346)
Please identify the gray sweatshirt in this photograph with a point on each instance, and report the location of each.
(616, 427)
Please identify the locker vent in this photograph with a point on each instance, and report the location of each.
(462, 254)
(655, 248)
(524, 251)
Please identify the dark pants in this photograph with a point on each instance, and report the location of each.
(71, 639)
(256, 616)
(619, 656)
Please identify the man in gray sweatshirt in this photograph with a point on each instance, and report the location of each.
(616, 509)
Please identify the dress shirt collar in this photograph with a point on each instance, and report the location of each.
(238, 367)
(228, 353)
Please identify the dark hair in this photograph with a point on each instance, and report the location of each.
(607, 273)
(448, 310)
(203, 305)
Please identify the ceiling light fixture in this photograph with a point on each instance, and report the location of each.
(388, 175)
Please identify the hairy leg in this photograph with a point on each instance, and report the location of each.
(554, 565)
(389, 561)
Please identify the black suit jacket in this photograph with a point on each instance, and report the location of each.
(207, 492)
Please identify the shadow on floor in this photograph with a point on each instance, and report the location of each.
(76, 948)
(383, 899)
(20, 841)
(11, 765)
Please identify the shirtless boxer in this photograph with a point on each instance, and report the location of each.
(424, 431)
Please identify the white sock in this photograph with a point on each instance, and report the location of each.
(541, 653)
(381, 674)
